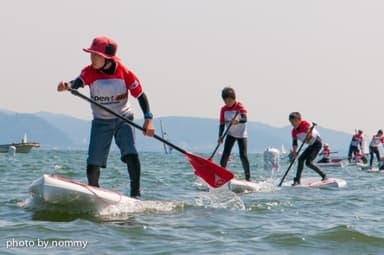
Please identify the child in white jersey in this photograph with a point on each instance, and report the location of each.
(110, 83)
(377, 140)
(237, 131)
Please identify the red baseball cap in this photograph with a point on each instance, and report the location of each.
(103, 46)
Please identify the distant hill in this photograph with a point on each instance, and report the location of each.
(190, 133)
(13, 127)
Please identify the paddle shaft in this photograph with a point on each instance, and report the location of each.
(77, 93)
(223, 135)
(294, 159)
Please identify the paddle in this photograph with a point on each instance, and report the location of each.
(214, 175)
(223, 135)
(294, 159)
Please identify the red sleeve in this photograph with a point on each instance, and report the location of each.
(294, 133)
(241, 107)
(132, 82)
(88, 75)
(222, 120)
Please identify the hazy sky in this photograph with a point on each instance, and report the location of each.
(324, 58)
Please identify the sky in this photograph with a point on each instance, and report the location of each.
(323, 58)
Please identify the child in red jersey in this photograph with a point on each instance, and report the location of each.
(300, 131)
(110, 83)
(238, 130)
(326, 153)
(355, 145)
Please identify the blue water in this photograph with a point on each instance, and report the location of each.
(182, 216)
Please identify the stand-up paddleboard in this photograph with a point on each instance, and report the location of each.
(243, 186)
(333, 163)
(373, 170)
(60, 191)
(316, 182)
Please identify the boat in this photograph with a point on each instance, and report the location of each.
(23, 147)
(20, 147)
(70, 195)
(164, 135)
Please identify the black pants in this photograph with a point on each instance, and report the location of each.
(352, 151)
(134, 170)
(242, 142)
(308, 156)
(374, 151)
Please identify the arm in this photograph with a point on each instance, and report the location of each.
(74, 84)
(243, 117)
(221, 131)
(148, 123)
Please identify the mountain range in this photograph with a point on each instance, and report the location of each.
(193, 134)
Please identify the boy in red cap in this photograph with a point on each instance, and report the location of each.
(110, 83)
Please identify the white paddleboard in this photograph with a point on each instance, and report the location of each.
(374, 170)
(74, 196)
(239, 186)
(316, 182)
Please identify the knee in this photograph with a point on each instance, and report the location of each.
(308, 163)
(132, 157)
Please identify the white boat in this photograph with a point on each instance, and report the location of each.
(73, 196)
(241, 186)
(316, 182)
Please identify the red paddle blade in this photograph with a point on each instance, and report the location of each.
(213, 174)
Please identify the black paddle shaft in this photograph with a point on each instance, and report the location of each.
(77, 93)
(294, 159)
(223, 135)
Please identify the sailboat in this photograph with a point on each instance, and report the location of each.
(23, 147)
(164, 135)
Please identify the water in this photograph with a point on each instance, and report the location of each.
(180, 216)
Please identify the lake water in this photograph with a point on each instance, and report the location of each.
(181, 216)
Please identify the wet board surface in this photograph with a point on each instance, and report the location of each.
(316, 182)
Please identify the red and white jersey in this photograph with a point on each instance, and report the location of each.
(326, 153)
(111, 90)
(226, 115)
(357, 140)
(300, 133)
(376, 140)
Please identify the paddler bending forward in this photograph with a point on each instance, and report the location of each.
(302, 131)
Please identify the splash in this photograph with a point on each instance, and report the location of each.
(220, 198)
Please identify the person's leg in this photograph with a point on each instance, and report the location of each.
(313, 150)
(300, 166)
(228, 144)
(242, 143)
(377, 152)
(125, 140)
(134, 170)
(371, 152)
(99, 145)
(93, 174)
